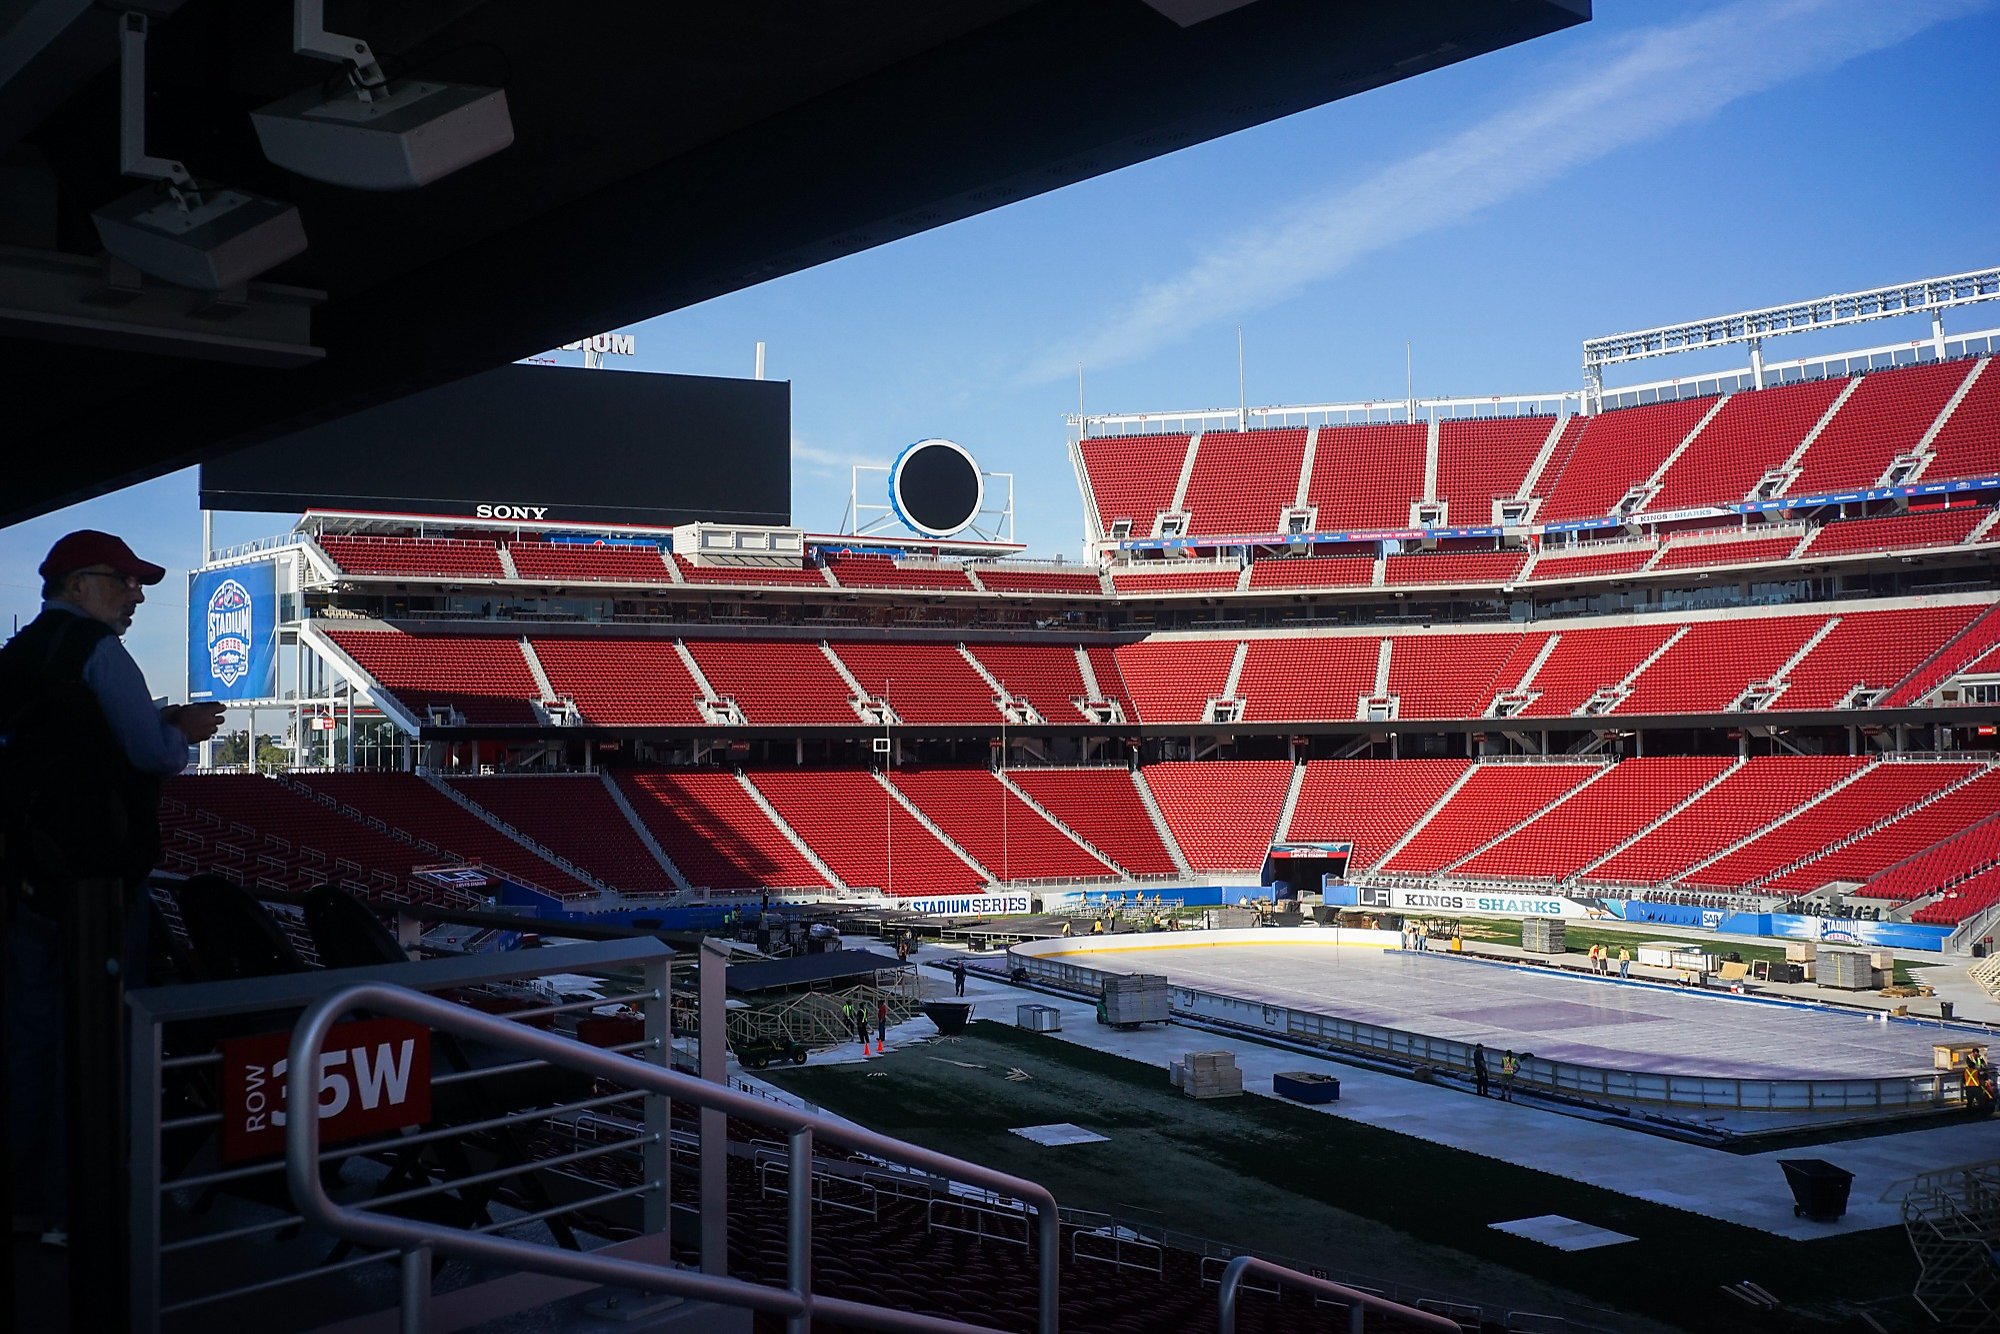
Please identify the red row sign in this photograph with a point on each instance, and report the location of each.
(374, 1075)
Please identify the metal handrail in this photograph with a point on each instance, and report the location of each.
(1358, 1303)
(796, 1301)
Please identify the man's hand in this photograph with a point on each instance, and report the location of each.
(197, 722)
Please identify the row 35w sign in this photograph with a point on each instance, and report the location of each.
(374, 1076)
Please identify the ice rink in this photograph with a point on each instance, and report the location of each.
(1584, 1020)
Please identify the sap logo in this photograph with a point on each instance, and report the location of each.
(510, 511)
(618, 345)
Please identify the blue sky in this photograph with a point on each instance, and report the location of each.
(1663, 162)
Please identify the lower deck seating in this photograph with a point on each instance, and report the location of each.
(864, 833)
(1223, 814)
(1007, 836)
(1104, 809)
(573, 816)
(714, 832)
(1368, 803)
(1759, 793)
(1495, 799)
(408, 802)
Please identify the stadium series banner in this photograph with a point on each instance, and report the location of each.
(968, 905)
(233, 633)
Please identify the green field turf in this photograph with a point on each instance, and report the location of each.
(1267, 1175)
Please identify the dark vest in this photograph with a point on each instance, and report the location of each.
(76, 806)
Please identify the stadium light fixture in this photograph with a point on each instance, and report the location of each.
(209, 238)
(376, 133)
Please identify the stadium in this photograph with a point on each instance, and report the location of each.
(1515, 862)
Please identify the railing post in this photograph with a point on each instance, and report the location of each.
(798, 1228)
(416, 1290)
(95, 954)
(712, 1020)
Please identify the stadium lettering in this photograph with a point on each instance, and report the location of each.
(618, 345)
(511, 511)
(234, 621)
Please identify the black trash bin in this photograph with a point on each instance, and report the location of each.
(950, 1016)
(1819, 1189)
(1946, 1010)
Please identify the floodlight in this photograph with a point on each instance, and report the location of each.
(213, 238)
(374, 133)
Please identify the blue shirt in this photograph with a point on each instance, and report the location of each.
(154, 745)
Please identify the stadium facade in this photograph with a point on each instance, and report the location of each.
(1714, 648)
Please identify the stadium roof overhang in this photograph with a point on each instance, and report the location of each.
(663, 155)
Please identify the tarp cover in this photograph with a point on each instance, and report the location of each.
(773, 974)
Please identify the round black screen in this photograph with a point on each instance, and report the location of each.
(936, 488)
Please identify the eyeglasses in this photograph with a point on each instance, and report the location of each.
(129, 580)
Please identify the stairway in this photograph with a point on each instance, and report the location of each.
(938, 833)
(1160, 825)
(645, 835)
(792, 837)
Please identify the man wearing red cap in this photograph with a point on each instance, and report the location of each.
(87, 750)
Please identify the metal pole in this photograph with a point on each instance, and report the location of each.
(798, 1228)
(714, 1056)
(417, 1290)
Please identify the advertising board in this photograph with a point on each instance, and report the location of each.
(233, 632)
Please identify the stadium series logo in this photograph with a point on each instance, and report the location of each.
(229, 632)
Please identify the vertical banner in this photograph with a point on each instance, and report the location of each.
(233, 632)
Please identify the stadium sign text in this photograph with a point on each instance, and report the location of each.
(374, 1075)
(510, 511)
(1495, 904)
(970, 905)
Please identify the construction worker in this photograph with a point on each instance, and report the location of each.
(1624, 963)
(1510, 1066)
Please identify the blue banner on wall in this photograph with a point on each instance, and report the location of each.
(233, 632)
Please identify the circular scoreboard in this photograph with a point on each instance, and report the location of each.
(935, 488)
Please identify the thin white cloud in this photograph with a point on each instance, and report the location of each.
(1598, 97)
(827, 462)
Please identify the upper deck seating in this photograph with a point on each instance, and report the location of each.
(1556, 564)
(1307, 678)
(622, 682)
(408, 802)
(1454, 567)
(1006, 835)
(884, 572)
(865, 834)
(1313, 572)
(1202, 579)
(485, 680)
(442, 557)
(1133, 477)
(1761, 791)
(1046, 675)
(1880, 792)
(1484, 459)
(585, 563)
(1569, 836)
(1715, 661)
(1872, 649)
(1902, 532)
(1885, 416)
(1223, 813)
(776, 682)
(1364, 477)
(1493, 800)
(1004, 580)
(1753, 432)
(1243, 481)
(1457, 675)
(1616, 451)
(714, 831)
(573, 816)
(923, 683)
(1587, 660)
(1964, 445)
(793, 576)
(1170, 680)
(1104, 809)
(1368, 803)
